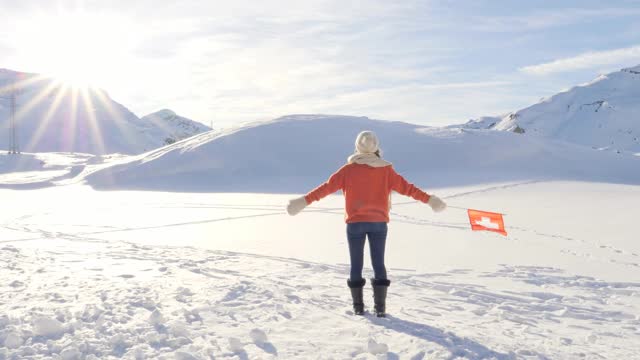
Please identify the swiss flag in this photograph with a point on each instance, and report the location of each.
(488, 221)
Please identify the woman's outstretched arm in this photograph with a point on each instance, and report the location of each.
(335, 183)
(402, 186)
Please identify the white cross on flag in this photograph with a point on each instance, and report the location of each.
(487, 221)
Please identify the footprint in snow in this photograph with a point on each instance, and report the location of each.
(376, 348)
(235, 345)
(259, 338)
(181, 355)
(156, 319)
(183, 294)
(16, 284)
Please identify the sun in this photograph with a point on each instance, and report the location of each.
(77, 48)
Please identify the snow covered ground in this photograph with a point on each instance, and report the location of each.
(86, 274)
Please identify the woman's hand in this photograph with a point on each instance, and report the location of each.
(296, 205)
(436, 204)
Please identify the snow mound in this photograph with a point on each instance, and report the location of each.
(291, 153)
(29, 171)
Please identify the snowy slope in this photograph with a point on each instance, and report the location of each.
(175, 127)
(604, 113)
(295, 152)
(29, 171)
(54, 118)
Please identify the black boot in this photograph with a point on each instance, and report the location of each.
(380, 295)
(356, 295)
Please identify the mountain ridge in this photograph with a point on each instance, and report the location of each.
(176, 127)
(603, 114)
(54, 117)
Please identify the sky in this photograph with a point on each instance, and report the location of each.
(227, 62)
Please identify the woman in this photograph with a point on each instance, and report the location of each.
(366, 181)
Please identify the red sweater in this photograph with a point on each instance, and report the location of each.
(366, 190)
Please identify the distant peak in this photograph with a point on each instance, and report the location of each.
(633, 70)
(165, 113)
(162, 114)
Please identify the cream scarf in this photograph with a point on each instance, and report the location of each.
(367, 159)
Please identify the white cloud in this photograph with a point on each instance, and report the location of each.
(545, 19)
(628, 56)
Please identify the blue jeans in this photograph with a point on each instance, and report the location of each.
(356, 234)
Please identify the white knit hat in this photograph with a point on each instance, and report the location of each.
(367, 143)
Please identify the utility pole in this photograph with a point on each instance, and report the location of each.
(14, 147)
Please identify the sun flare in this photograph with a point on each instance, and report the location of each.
(78, 49)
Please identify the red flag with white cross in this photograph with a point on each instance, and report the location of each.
(487, 221)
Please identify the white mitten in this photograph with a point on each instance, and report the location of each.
(436, 204)
(296, 205)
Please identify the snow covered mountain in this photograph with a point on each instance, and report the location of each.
(52, 117)
(603, 114)
(175, 127)
(292, 153)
